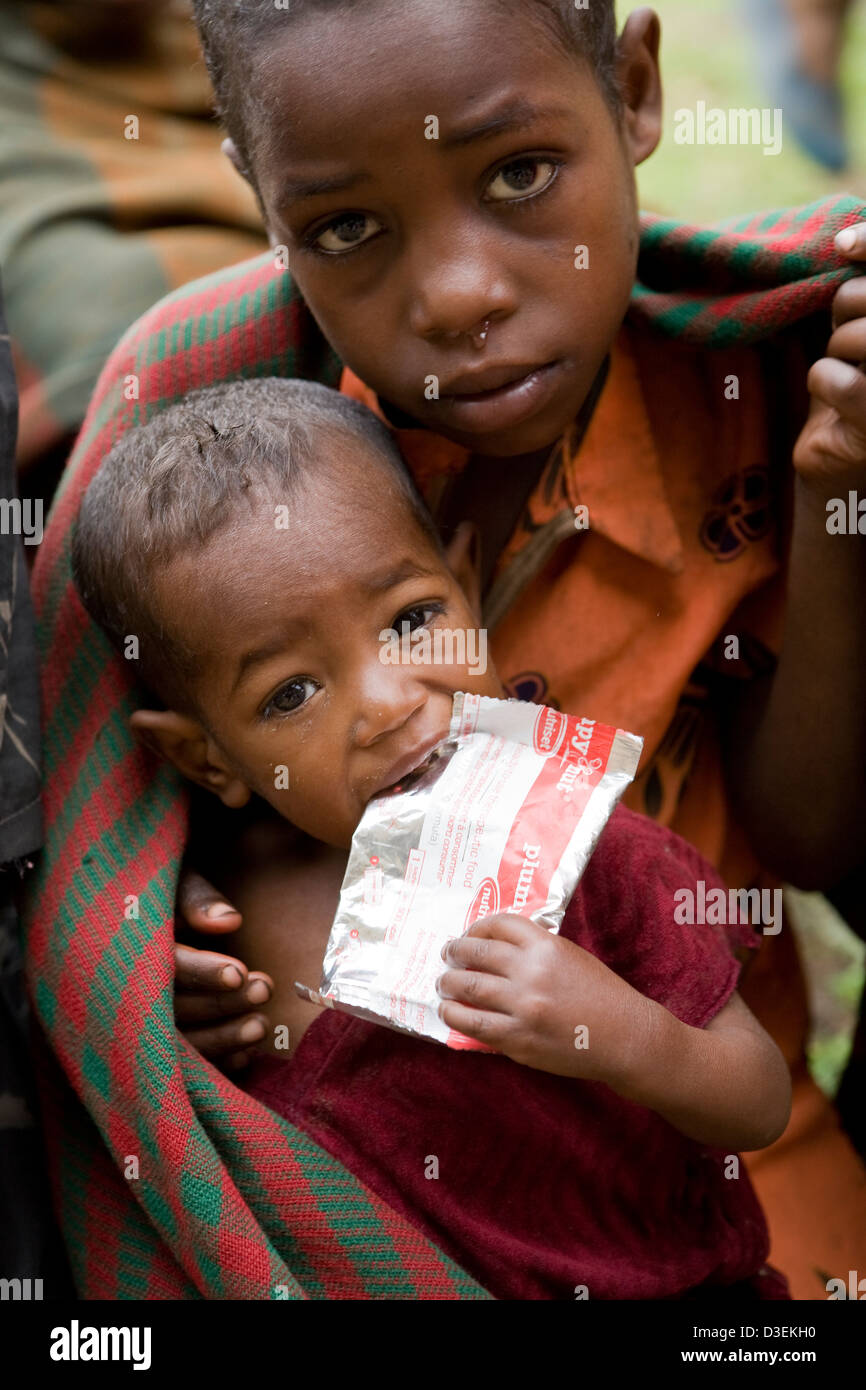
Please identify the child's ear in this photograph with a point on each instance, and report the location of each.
(463, 555)
(230, 150)
(640, 82)
(183, 742)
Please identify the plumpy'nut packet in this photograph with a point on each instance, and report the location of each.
(503, 818)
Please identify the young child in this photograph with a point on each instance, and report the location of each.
(259, 539)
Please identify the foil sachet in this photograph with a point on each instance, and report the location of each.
(504, 819)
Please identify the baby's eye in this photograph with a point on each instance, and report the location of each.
(292, 695)
(522, 178)
(418, 616)
(345, 232)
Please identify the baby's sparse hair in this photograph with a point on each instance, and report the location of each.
(232, 31)
(169, 486)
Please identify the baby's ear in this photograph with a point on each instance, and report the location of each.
(463, 554)
(183, 742)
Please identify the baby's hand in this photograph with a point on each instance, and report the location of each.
(831, 451)
(542, 1001)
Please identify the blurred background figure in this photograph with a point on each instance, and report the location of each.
(113, 191)
(30, 1247)
(710, 54)
(799, 48)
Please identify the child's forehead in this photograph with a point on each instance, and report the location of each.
(331, 64)
(327, 547)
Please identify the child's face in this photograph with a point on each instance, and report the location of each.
(295, 699)
(403, 244)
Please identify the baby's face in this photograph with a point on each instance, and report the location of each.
(303, 700)
(432, 166)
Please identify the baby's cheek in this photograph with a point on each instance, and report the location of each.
(315, 806)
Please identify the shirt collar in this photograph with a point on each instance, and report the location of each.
(616, 472)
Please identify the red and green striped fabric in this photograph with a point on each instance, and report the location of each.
(171, 1182)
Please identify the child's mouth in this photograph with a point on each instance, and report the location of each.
(502, 405)
(412, 773)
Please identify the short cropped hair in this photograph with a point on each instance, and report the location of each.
(232, 30)
(169, 486)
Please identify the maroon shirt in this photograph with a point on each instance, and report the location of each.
(546, 1183)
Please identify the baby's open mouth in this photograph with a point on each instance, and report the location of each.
(412, 775)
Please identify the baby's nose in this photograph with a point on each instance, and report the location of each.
(388, 698)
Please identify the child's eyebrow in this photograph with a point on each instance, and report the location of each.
(399, 574)
(515, 115)
(295, 190)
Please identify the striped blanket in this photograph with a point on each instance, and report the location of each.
(171, 1182)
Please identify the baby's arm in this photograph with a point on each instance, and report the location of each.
(726, 1085)
(547, 1003)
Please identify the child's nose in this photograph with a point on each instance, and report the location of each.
(387, 698)
(454, 290)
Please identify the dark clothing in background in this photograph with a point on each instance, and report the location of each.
(29, 1245)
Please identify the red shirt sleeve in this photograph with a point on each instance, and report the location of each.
(632, 909)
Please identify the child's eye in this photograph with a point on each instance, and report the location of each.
(345, 232)
(291, 696)
(521, 178)
(418, 616)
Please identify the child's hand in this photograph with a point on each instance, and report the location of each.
(831, 451)
(215, 995)
(542, 1001)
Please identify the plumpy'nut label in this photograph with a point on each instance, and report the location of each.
(504, 818)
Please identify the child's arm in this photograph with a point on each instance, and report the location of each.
(547, 1003)
(798, 747)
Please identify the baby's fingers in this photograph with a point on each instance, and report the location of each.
(474, 1023)
(490, 992)
(506, 926)
(480, 953)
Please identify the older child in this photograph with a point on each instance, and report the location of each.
(258, 539)
(453, 188)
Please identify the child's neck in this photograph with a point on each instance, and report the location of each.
(492, 493)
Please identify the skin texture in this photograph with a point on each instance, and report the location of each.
(440, 246)
(318, 595)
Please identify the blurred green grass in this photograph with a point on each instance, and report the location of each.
(707, 54)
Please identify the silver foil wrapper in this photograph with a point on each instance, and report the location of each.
(504, 819)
